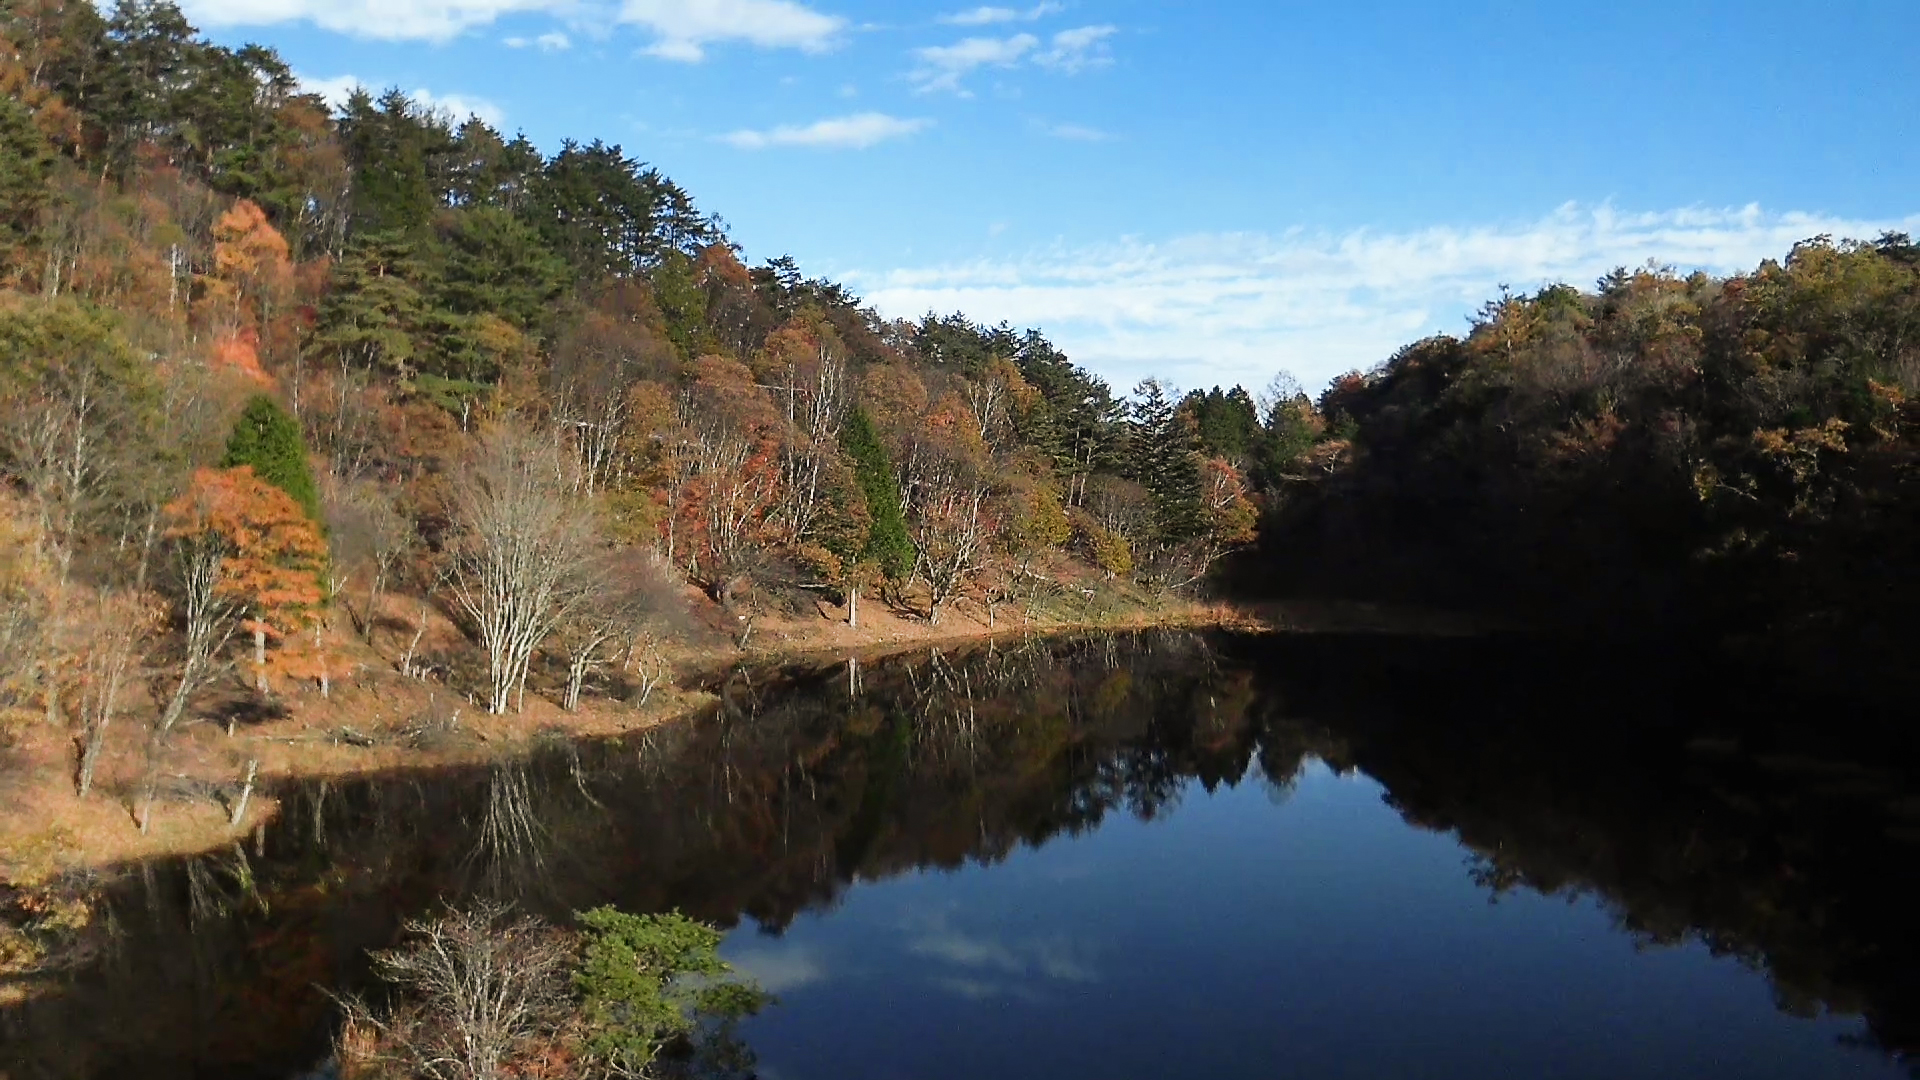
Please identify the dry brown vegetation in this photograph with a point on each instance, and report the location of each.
(376, 717)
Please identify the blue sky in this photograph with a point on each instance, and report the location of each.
(1206, 191)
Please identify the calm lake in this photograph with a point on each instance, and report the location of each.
(1156, 855)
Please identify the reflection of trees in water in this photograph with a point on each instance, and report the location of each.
(1770, 846)
(801, 781)
(807, 778)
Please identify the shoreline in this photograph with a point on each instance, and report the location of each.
(377, 719)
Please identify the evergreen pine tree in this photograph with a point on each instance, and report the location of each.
(888, 544)
(373, 312)
(1162, 458)
(26, 162)
(268, 438)
(495, 264)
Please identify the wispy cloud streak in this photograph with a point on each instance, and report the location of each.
(839, 133)
(1236, 307)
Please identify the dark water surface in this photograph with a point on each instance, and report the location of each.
(1164, 855)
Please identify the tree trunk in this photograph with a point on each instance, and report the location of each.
(146, 803)
(576, 675)
(90, 756)
(320, 657)
(853, 608)
(146, 549)
(406, 662)
(260, 658)
(376, 585)
(246, 793)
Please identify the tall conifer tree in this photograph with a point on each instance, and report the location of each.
(268, 438)
(888, 544)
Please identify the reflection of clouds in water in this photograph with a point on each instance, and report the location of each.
(1055, 957)
(988, 990)
(781, 970)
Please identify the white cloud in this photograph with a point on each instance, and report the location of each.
(839, 133)
(458, 107)
(781, 968)
(984, 959)
(987, 16)
(684, 28)
(1077, 50)
(552, 41)
(385, 20)
(943, 66)
(333, 91)
(1236, 307)
(1076, 132)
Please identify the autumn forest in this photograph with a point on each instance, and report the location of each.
(272, 374)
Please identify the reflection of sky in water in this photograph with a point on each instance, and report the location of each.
(1242, 935)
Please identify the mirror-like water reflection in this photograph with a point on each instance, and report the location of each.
(1168, 854)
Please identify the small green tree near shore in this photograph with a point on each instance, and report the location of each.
(650, 983)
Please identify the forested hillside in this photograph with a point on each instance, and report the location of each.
(1706, 458)
(274, 376)
(268, 371)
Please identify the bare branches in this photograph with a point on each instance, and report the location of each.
(520, 562)
(634, 593)
(207, 619)
(480, 987)
(121, 625)
(368, 534)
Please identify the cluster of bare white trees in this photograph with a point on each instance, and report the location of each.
(532, 570)
(522, 560)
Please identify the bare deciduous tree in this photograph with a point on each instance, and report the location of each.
(54, 444)
(950, 522)
(634, 593)
(950, 534)
(477, 987)
(804, 368)
(523, 554)
(728, 476)
(207, 620)
(368, 534)
(121, 624)
(27, 610)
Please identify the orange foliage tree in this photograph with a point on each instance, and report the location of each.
(246, 297)
(1228, 514)
(272, 556)
(727, 478)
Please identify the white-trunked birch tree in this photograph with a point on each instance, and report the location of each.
(523, 555)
